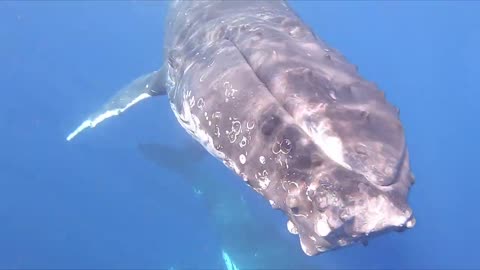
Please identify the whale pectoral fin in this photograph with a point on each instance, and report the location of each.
(146, 86)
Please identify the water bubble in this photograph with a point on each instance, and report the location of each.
(410, 223)
(411, 176)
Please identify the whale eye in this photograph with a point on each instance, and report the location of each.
(270, 124)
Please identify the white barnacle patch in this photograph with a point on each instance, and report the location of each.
(242, 159)
(229, 91)
(410, 223)
(272, 203)
(321, 227)
(263, 180)
(306, 248)
(375, 210)
(244, 177)
(216, 115)
(291, 227)
(230, 164)
(262, 159)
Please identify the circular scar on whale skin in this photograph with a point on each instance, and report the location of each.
(243, 159)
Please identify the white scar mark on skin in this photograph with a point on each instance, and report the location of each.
(331, 145)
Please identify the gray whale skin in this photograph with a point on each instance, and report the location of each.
(287, 113)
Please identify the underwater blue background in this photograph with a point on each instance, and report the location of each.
(96, 202)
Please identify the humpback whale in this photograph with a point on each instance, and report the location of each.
(287, 113)
(248, 238)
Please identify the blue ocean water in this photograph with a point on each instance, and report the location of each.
(96, 202)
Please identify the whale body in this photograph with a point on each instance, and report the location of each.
(287, 113)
